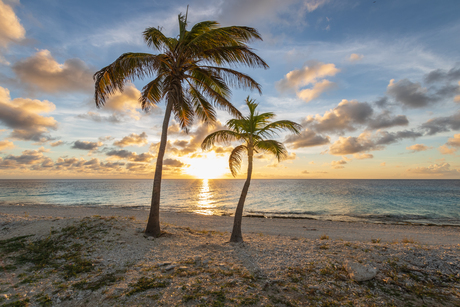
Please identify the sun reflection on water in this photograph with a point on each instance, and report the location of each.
(205, 197)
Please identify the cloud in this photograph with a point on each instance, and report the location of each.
(349, 115)
(126, 103)
(85, 145)
(363, 156)
(338, 164)
(11, 30)
(30, 159)
(132, 139)
(306, 138)
(93, 116)
(131, 156)
(5, 144)
(42, 72)
(342, 118)
(22, 115)
(305, 172)
(435, 169)
(440, 75)
(368, 142)
(418, 148)
(385, 120)
(308, 95)
(308, 74)
(173, 163)
(354, 57)
(57, 143)
(383, 164)
(413, 95)
(442, 124)
(452, 145)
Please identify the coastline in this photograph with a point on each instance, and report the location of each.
(80, 256)
(305, 228)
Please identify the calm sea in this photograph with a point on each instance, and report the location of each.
(392, 201)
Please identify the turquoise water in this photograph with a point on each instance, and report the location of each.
(394, 201)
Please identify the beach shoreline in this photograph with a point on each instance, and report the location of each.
(80, 256)
(306, 228)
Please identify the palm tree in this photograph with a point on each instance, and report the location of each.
(189, 74)
(253, 131)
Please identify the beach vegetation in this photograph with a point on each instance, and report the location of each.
(324, 237)
(189, 74)
(254, 132)
(145, 283)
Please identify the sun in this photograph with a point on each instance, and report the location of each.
(208, 166)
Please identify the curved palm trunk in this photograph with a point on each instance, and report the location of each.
(153, 224)
(236, 232)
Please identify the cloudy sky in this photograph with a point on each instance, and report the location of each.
(375, 85)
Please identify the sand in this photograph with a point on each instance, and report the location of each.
(79, 256)
(305, 228)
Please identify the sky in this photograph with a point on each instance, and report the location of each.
(374, 84)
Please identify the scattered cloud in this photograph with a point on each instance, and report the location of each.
(22, 115)
(435, 169)
(93, 116)
(309, 74)
(57, 143)
(363, 156)
(306, 138)
(42, 72)
(85, 145)
(126, 103)
(29, 159)
(418, 148)
(383, 164)
(173, 163)
(132, 140)
(452, 145)
(338, 164)
(349, 115)
(414, 95)
(11, 30)
(442, 124)
(5, 144)
(131, 156)
(354, 57)
(369, 142)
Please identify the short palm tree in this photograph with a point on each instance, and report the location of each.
(253, 131)
(189, 74)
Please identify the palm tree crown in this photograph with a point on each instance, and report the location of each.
(253, 130)
(190, 73)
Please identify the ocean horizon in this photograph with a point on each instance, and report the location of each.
(417, 201)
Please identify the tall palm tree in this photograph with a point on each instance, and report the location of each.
(189, 74)
(253, 131)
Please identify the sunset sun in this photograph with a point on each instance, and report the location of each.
(208, 166)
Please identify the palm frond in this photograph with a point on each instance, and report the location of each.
(275, 127)
(271, 146)
(128, 67)
(154, 38)
(203, 108)
(223, 136)
(152, 93)
(235, 78)
(235, 159)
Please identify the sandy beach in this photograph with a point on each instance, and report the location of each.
(79, 256)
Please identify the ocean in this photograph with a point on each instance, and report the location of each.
(378, 201)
